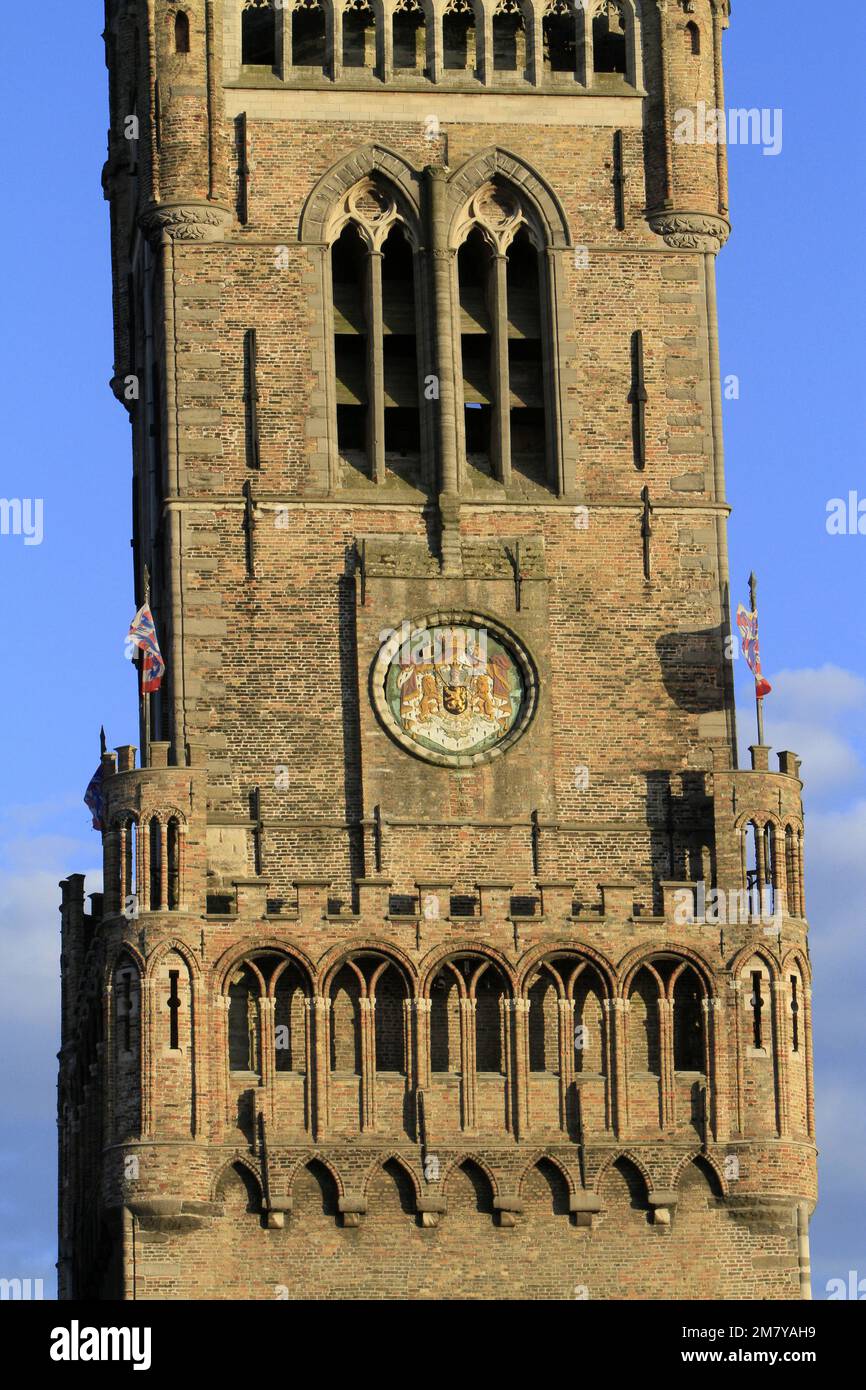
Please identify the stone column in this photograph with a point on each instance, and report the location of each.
(467, 1048)
(616, 1013)
(368, 1065)
(666, 1065)
(521, 1078)
(321, 1098)
(780, 1057)
(499, 383)
(375, 368)
(719, 24)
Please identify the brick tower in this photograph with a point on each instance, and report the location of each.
(444, 950)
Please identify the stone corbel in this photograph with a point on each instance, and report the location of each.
(663, 1203)
(690, 231)
(430, 1209)
(508, 1207)
(277, 1209)
(583, 1207)
(352, 1207)
(193, 219)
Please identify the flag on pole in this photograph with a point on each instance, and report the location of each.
(143, 634)
(748, 624)
(93, 798)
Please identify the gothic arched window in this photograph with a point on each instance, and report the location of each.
(559, 37)
(458, 36)
(389, 1017)
(375, 336)
(490, 1002)
(688, 1022)
(259, 34)
(409, 36)
(309, 42)
(243, 1022)
(359, 35)
(609, 46)
(503, 338)
(509, 37)
(290, 996)
(173, 850)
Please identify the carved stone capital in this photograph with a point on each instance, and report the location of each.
(194, 219)
(691, 231)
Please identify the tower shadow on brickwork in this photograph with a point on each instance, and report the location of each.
(691, 665)
(679, 814)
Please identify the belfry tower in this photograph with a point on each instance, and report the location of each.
(444, 950)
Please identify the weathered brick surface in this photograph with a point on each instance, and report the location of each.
(346, 1023)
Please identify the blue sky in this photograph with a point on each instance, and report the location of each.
(791, 294)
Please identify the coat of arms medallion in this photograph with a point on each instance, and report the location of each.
(456, 691)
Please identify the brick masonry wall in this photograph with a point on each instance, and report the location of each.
(431, 1131)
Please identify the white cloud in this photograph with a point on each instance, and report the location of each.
(817, 692)
(819, 713)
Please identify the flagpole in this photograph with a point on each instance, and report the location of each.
(759, 699)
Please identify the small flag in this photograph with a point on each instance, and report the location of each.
(748, 624)
(143, 634)
(93, 798)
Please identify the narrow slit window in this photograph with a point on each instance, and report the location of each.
(757, 1008)
(173, 1010)
(795, 1016)
(181, 32)
(693, 39)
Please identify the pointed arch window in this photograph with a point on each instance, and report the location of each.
(375, 336)
(309, 40)
(390, 1021)
(509, 38)
(181, 32)
(409, 37)
(243, 1022)
(359, 35)
(609, 39)
(688, 1022)
(458, 36)
(559, 38)
(504, 340)
(259, 34)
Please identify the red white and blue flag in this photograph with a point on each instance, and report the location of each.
(143, 634)
(748, 624)
(93, 798)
